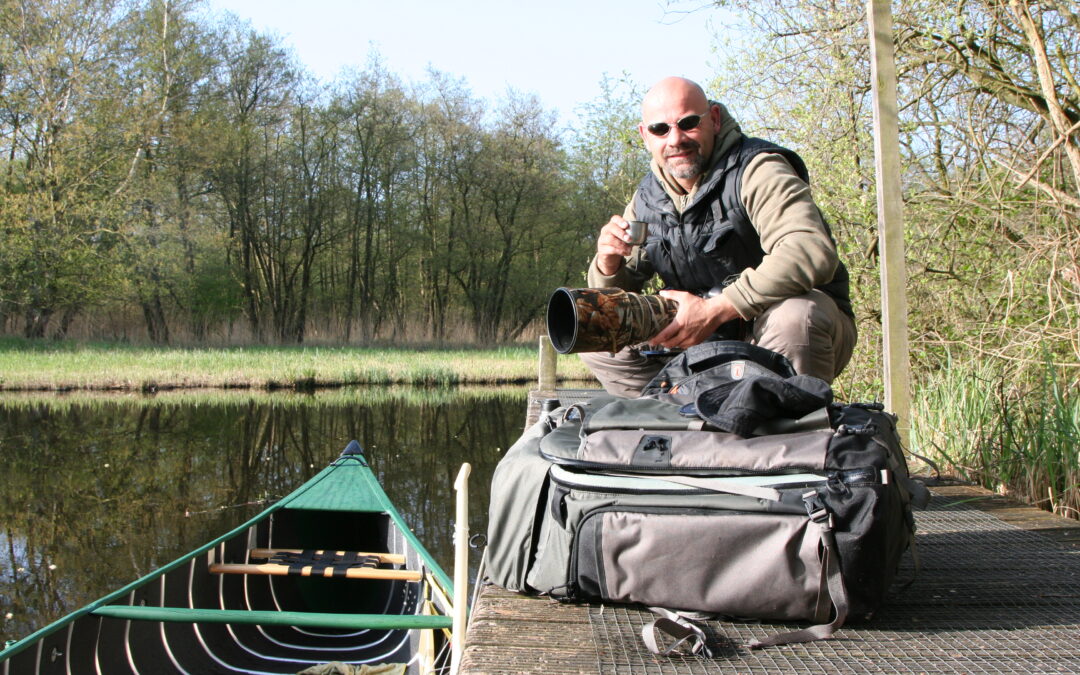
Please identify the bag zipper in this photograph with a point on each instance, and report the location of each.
(684, 490)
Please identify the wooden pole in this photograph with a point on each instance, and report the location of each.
(461, 568)
(548, 361)
(890, 215)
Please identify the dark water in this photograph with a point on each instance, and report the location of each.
(97, 493)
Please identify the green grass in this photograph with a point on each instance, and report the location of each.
(333, 397)
(1016, 437)
(64, 366)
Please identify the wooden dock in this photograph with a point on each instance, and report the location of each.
(998, 592)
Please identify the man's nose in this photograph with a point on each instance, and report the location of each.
(676, 136)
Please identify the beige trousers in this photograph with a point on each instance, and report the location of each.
(810, 330)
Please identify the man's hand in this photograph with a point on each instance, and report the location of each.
(696, 319)
(612, 246)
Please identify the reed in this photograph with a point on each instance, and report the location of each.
(63, 366)
(1015, 436)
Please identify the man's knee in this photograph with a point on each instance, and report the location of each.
(624, 373)
(811, 331)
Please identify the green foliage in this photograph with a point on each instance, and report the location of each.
(988, 105)
(1009, 431)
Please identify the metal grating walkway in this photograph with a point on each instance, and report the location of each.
(990, 598)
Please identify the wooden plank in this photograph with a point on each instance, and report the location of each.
(1064, 531)
(498, 604)
(531, 635)
(511, 633)
(384, 558)
(276, 570)
(526, 661)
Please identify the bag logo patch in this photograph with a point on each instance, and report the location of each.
(738, 369)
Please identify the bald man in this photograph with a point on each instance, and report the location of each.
(734, 236)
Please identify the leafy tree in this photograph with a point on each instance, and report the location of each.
(971, 85)
(62, 132)
(606, 162)
(256, 80)
(376, 127)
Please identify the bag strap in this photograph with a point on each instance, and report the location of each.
(833, 583)
(713, 354)
(677, 627)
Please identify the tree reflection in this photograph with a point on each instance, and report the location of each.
(97, 494)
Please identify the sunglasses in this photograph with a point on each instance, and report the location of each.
(687, 123)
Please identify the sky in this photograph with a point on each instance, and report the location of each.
(557, 49)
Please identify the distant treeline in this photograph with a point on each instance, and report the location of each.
(169, 176)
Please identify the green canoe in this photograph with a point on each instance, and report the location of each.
(330, 573)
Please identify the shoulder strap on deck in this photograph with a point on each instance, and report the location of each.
(832, 584)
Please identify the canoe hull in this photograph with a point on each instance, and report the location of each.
(285, 624)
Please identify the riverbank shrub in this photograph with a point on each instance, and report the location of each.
(1014, 434)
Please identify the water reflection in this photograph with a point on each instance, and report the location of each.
(96, 493)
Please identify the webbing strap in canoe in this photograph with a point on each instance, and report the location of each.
(266, 618)
(319, 563)
(322, 562)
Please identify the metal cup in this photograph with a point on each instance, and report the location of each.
(638, 231)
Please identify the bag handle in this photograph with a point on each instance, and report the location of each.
(679, 628)
(721, 485)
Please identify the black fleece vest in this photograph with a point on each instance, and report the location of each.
(707, 246)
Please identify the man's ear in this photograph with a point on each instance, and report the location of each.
(642, 131)
(714, 114)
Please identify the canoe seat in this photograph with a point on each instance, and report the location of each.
(320, 563)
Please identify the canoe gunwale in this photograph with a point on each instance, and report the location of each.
(272, 618)
(109, 599)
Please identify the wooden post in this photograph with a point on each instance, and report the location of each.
(890, 215)
(548, 360)
(461, 568)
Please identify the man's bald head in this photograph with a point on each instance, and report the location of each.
(672, 90)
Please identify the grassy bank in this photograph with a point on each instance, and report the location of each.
(283, 398)
(65, 366)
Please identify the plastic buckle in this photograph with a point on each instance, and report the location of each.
(868, 429)
(815, 509)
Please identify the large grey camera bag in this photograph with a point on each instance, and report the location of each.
(633, 501)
